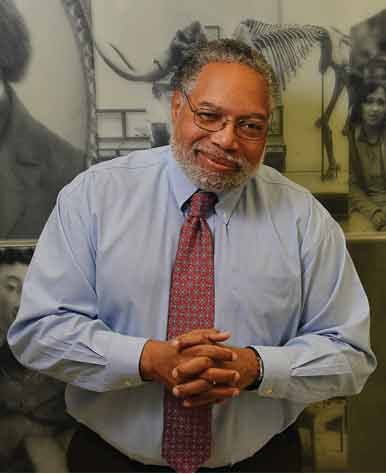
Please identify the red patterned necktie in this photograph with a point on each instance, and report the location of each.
(187, 431)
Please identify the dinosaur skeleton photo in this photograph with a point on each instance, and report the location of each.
(318, 67)
(285, 47)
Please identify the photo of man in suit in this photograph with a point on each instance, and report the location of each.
(35, 163)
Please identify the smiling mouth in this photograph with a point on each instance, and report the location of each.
(374, 117)
(218, 163)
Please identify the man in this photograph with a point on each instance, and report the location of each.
(35, 163)
(128, 251)
(13, 268)
(32, 410)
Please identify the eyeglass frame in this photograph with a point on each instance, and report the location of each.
(224, 122)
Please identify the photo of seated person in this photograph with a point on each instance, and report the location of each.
(33, 420)
(366, 136)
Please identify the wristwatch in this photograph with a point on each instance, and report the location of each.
(259, 378)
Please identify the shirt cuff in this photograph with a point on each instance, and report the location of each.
(277, 371)
(123, 356)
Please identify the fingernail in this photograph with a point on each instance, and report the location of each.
(236, 393)
(236, 377)
(176, 392)
(175, 373)
(234, 356)
(175, 342)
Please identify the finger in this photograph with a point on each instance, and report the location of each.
(191, 388)
(200, 336)
(219, 336)
(221, 376)
(211, 396)
(188, 340)
(192, 368)
(213, 351)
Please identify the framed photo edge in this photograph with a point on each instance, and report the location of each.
(18, 243)
(365, 237)
(79, 14)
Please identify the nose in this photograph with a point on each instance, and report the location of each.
(15, 302)
(375, 107)
(226, 138)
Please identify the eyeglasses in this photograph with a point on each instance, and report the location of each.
(247, 128)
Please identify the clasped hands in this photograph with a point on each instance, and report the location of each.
(198, 368)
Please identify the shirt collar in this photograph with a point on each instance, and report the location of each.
(183, 189)
(361, 135)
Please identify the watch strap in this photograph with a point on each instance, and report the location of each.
(259, 378)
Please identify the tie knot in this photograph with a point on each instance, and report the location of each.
(202, 203)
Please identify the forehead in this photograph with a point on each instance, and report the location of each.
(236, 88)
(16, 270)
(378, 93)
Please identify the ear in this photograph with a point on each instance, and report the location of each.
(177, 103)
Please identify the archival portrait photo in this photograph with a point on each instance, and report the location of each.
(367, 124)
(34, 426)
(43, 112)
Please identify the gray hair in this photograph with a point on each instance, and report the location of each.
(15, 45)
(222, 51)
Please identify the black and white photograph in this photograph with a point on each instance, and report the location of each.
(43, 112)
(313, 49)
(34, 426)
(367, 124)
(319, 55)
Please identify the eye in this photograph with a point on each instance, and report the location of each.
(11, 287)
(206, 116)
(252, 125)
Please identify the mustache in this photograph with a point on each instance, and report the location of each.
(216, 152)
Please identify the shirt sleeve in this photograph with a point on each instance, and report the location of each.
(330, 354)
(58, 330)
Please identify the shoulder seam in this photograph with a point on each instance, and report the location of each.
(287, 183)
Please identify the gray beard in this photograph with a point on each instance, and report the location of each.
(211, 181)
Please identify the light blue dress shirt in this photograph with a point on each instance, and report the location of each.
(98, 288)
